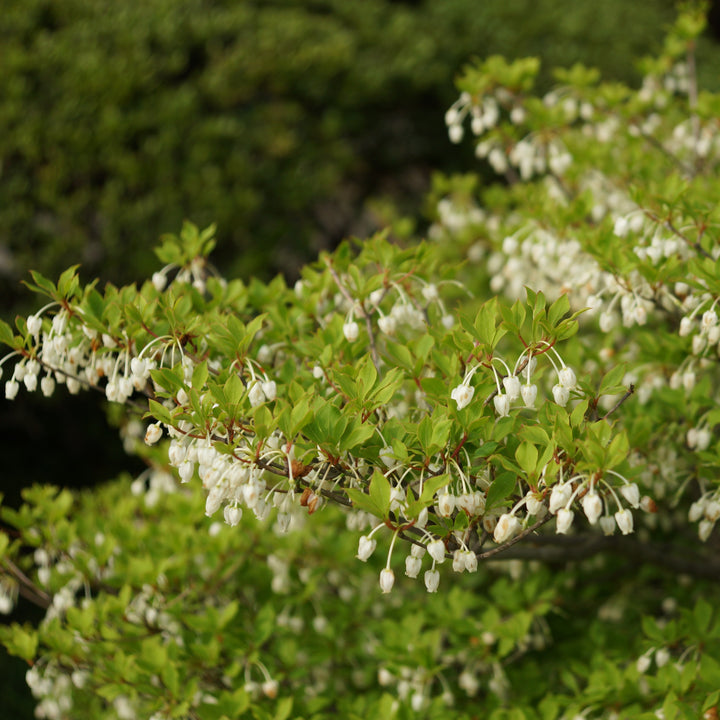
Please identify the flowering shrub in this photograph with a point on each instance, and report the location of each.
(534, 383)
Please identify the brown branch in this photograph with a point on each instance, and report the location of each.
(575, 548)
(627, 394)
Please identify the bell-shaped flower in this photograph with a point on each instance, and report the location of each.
(559, 496)
(446, 504)
(366, 547)
(436, 549)
(502, 404)
(566, 377)
(632, 494)
(351, 331)
(232, 514)
(462, 395)
(624, 520)
(11, 389)
(256, 394)
(561, 394)
(507, 527)
(565, 518)
(511, 383)
(529, 395)
(607, 524)
(592, 506)
(412, 566)
(387, 580)
(432, 580)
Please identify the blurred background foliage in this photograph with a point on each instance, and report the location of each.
(281, 121)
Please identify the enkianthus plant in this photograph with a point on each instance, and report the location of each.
(493, 421)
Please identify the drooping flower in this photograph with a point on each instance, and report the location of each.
(462, 395)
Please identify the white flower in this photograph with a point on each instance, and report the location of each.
(159, 280)
(462, 395)
(432, 580)
(387, 324)
(529, 394)
(566, 377)
(697, 509)
(592, 506)
(256, 394)
(685, 326)
(662, 656)
(559, 496)
(412, 566)
(507, 527)
(471, 561)
(11, 389)
(565, 518)
(607, 321)
(351, 331)
(446, 504)
(366, 547)
(386, 455)
(621, 227)
(47, 385)
(512, 386)
(632, 494)
(153, 433)
(712, 510)
(502, 404)
(232, 514)
(436, 549)
(607, 523)
(561, 394)
(269, 389)
(30, 381)
(624, 520)
(709, 319)
(387, 580)
(34, 325)
(455, 133)
(643, 663)
(270, 689)
(705, 527)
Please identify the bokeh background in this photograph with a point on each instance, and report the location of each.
(290, 123)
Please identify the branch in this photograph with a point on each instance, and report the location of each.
(574, 548)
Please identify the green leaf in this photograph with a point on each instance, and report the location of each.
(527, 457)
(611, 384)
(501, 488)
(380, 492)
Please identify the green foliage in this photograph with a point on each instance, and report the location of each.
(118, 122)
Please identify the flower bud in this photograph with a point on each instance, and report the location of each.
(153, 433)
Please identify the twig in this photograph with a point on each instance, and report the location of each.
(627, 394)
